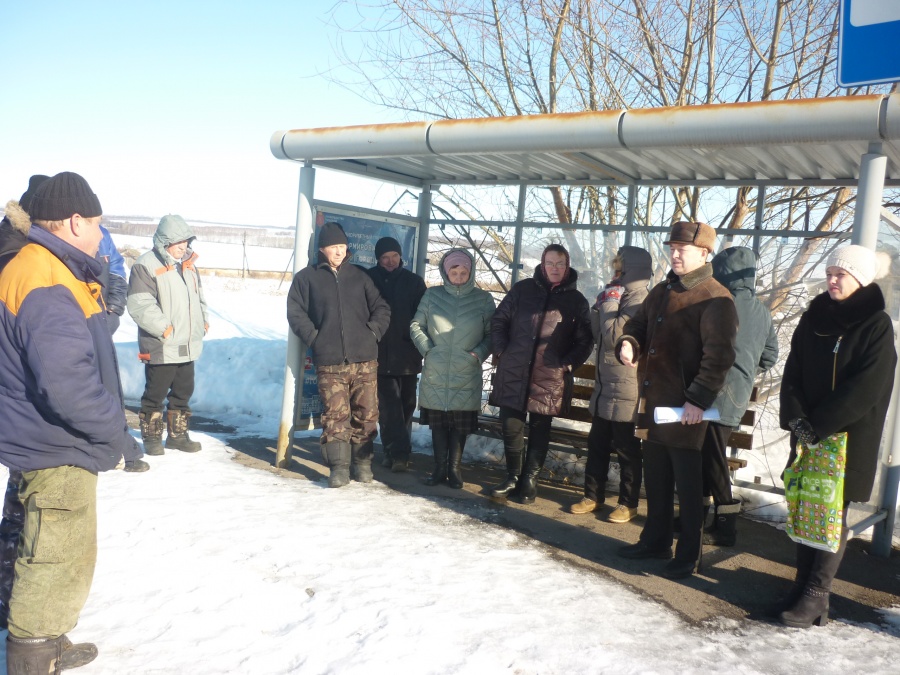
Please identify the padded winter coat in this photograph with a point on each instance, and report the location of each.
(839, 376)
(756, 346)
(683, 337)
(60, 395)
(540, 335)
(615, 384)
(340, 314)
(165, 299)
(452, 321)
(402, 290)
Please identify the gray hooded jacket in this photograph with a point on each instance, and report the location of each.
(165, 299)
(756, 347)
(615, 385)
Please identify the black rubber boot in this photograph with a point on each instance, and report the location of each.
(361, 468)
(526, 490)
(725, 531)
(457, 445)
(152, 426)
(440, 445)
(28, 656)
(136, 466)
(75, 656)
(179, 421)
(507, 487)
(337, 455)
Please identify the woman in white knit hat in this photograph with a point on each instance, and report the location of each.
(838, 377)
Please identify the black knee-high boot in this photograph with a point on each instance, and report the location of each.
(457, 445)
(813, 604)
(526, 490)
(440, 439)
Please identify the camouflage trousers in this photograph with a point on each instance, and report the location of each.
(349, 394)
(57, 551)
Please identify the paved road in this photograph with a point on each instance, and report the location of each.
(741, 583)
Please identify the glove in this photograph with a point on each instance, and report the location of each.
(803, 431)
(609, 294)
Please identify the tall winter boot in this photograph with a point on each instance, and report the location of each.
(178, 438)
(152, 426)
(457, 445)
(812, 607)
(337, 455)
(28, 656)
(507, 486)
(526, 489)
(725, 531)
(440, 445)
(806, 558)
(361, 468)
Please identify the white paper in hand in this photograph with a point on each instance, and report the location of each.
(669, 415)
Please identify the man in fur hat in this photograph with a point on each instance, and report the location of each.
(682, 342)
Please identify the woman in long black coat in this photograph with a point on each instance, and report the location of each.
(838, 377)
(540, 333)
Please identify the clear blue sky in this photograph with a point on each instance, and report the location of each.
(167, 106)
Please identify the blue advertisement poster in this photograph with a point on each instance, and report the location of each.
(363, 229)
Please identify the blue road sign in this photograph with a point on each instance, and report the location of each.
(869, 42)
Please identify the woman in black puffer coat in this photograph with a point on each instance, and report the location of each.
(540, 333)
(838, 377)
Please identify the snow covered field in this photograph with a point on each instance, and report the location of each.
(208, 567)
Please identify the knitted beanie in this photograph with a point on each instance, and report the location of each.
(859, 261)
(332, 234)
(33, 183)
(386, 245)
(63, 196)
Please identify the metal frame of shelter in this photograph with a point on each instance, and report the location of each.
(849, 141)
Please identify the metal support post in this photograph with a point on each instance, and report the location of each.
(887, 488)
(760, 213)
(517, 245)
(296, 350)
(869, 197)
(629, 213)
(424, 228)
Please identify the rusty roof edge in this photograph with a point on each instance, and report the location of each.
(872, 117)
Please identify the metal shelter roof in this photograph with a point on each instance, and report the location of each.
(808, 142)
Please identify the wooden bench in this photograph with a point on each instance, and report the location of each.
(564, 439)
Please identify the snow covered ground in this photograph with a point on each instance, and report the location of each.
(209, 567)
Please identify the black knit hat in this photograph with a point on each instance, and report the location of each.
(63, 196)
(33, 183)
(386, 245)
(332, 234)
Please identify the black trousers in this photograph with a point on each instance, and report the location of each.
(174, 381)
(604, 438)
(10, 529)
(396, 405)
(716, 476)
(512, 423)
(665, 469)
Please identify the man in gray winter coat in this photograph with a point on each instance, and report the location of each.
(615, 390)
(165, 299)
(756, 350)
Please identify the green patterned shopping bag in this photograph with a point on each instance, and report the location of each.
(814, 488)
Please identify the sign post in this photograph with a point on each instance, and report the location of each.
(868, 42)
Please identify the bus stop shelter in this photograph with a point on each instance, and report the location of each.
(849, 141)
